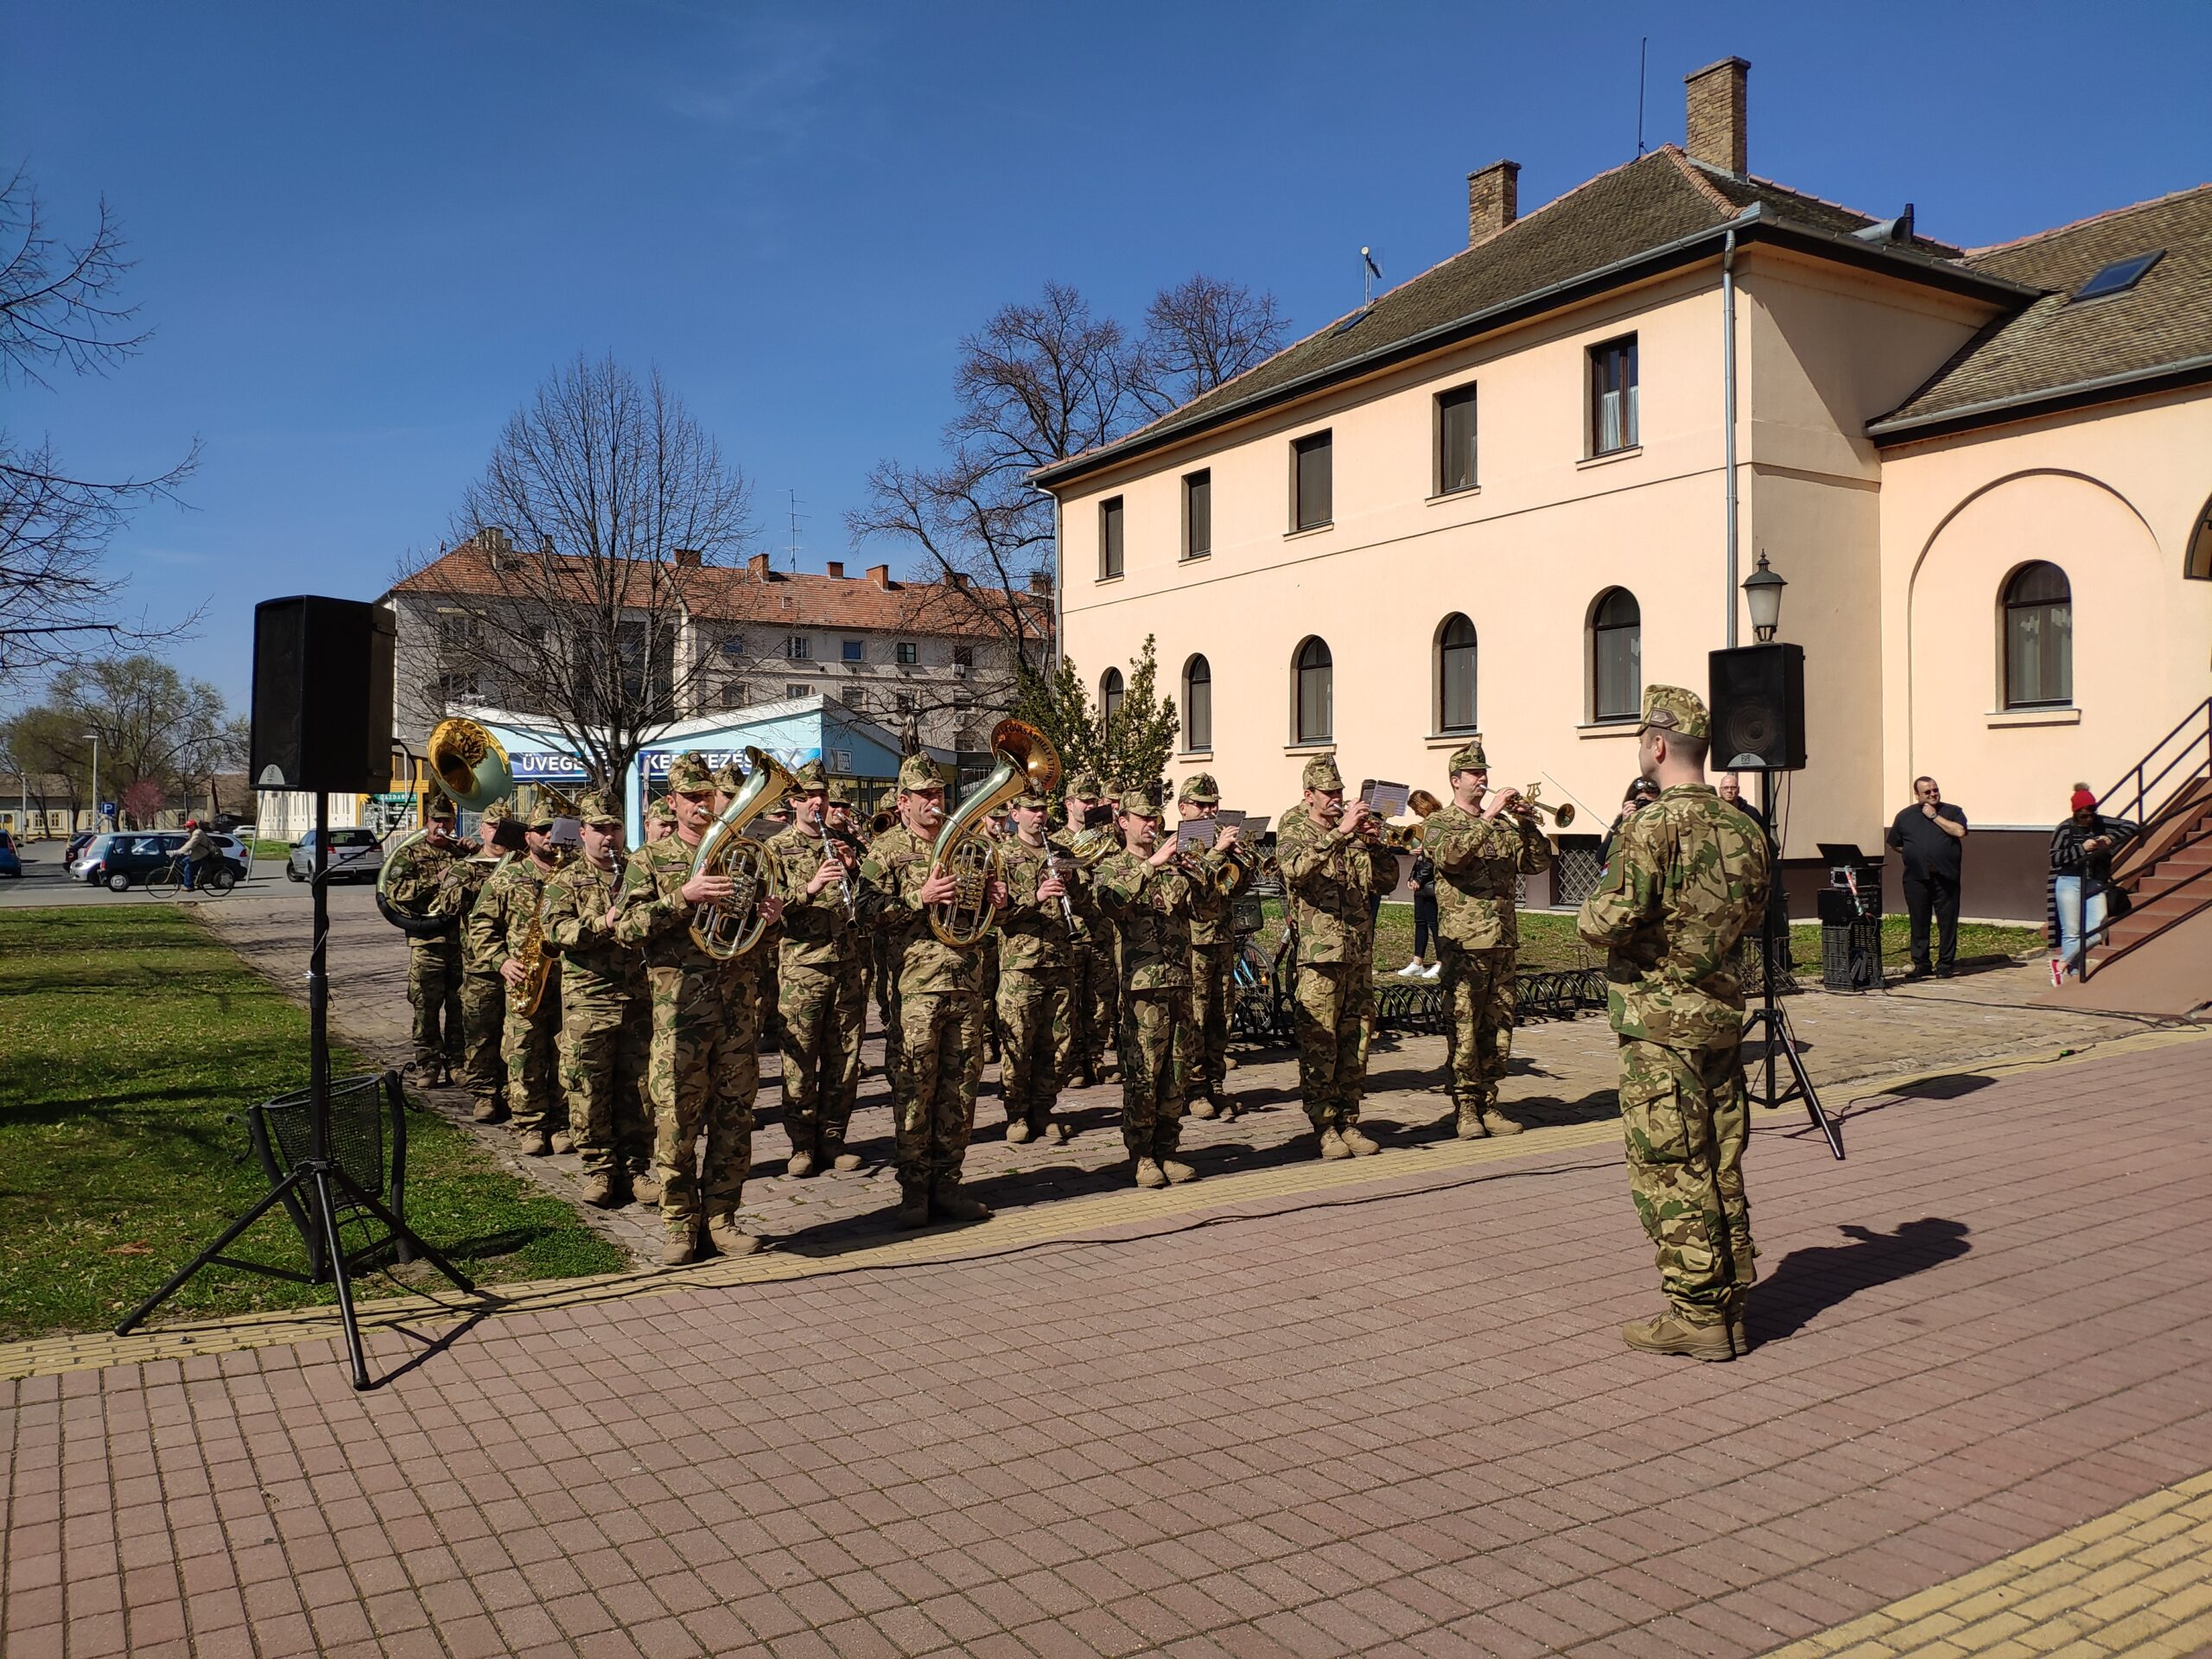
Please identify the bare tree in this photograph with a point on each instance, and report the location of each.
(61, 312)
(603, 501)
(154, 726)
(1199, 334)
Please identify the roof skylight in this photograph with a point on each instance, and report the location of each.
(2120, 276)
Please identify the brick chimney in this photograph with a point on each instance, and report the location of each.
(881, 575)
(1716, 128)
(958, 579)
(1493, 200)
(1040, 581)
(836, 569)
(688, 558)
(757, 565)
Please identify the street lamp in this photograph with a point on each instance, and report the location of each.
(1762, 597)
(95, 736)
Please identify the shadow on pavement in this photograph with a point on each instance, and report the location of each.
(1809, 1282)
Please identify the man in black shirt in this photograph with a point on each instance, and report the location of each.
(1929, 834)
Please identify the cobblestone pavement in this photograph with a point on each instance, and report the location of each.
(1390, 1415)
(1563, 1071)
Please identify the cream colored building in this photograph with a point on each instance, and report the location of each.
(1500, 498)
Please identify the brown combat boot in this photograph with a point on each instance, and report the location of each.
(644, 1187)
(561, 1142)
(534, 1143)
(1332, 1145)
(1496, 1123)
(728, 1238)
(1203, 1107)
(1018, 1130)
(801, 1165)
(914, 1205)
(1061, 1131)
(1149, 1173)
(949, 1203)
(600, 1191)
(679, 1241)
(1229, 1062)
(1470, 1126)
(846, 1162)
(490, 1110)
(1671, 1333)
(1177, 1171)
(1362, 1144)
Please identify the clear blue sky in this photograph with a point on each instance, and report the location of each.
(364, 232)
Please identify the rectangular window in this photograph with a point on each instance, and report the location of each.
(854, 699)
(908, 653)
(1455, 440)
(963, 655)
(1110, 539)
(795, 690)
(1612, 396)
(798, 648)
(733, 695)
(1310, 482)
(1198, 514)
(852, 651)
(903, 701)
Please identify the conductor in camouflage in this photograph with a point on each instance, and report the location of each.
(1689, 877)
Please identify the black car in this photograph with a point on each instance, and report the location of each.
(124, 857)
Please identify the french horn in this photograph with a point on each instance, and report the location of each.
(1027, 763)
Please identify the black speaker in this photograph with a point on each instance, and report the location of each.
(322, 681)
(1757, 704)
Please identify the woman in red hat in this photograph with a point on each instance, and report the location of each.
(2080, 877)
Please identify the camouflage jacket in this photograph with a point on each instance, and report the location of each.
(411, 877)
(1212, 910)
(1479, 862)
(897, 865)
(1032, 933)
(816, 932)
(1329, 878)
(511, 897)
(653, 915)
(595, 964)
(1151, 908)
(1688, 879)
(1090, 924)
(459, 885)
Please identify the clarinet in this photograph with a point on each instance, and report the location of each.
(845, 880)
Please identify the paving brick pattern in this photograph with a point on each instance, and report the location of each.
(1394, 1419)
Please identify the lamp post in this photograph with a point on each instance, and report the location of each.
(95, 736)
(1763, 598)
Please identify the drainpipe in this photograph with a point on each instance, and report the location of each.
(1728, 412)
(1059, 588)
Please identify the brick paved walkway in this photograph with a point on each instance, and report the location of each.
(1389, 1416)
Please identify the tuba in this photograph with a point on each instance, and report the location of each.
(1027, 762)
(728, 930)
(470, 770)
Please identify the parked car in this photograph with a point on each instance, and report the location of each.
(87, 856)
(119, 860)
(355, 855)
(11, 863)
(78, 843)
(236, 847)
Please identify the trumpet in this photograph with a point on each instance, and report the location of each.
(845, 876)
(1528, 806)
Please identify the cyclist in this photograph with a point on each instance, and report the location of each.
(199, 847)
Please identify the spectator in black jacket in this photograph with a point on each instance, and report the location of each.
(2081, 874)
(1930, 834)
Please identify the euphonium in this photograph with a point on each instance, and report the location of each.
(1027, 762)
(728, 929)
(471, 769)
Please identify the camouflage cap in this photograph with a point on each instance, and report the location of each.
(498, 812)
(811, 776)
(687, 774)
(1083, 786)
(919, 771)
(1672, 709)
(661, 809)
(1321, 773)
(1029, 797)
(729, 778)
(597, 806)
(1140, 801)
(1199, 787)
(1468, 757)
(439, 807)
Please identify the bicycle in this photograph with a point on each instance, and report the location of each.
(217, 878)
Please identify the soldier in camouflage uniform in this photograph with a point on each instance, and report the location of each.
(1033, 988)
(433, 963)
(939, 1033)
(498, 925)
(606, 1018)
(823, 1001)
(763, 963)
(660, 821)
(704, 1068)
(1480, 853)
(1688, 879)
(1333, 866)
(1147, 891)
(1213, 955)
(483, 989)
(1093, 979)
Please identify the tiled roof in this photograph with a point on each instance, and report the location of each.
(2059, 348)
(1641, 208)
(742, 594)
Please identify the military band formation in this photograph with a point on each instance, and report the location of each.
(616, 1005)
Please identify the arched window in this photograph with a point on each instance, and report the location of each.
(1110, 697)
(2198, 564)
(2039, 637)
(1197, 706)
(1616, 657)
(1455, 675)
(1316, 674)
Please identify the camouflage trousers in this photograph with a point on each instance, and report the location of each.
(1481, 989)
(606, 1043)
(990, 952)
(940, 1061)
(1094, 992)
(483, 1021)
(1685, 1116)
(1331, 1005)
(1213, 991)
(1033, 1009)
(702, 1074)
(530, 1045)
(825, 1010)
(433, 987)
(1155, 1051)
(770, 990)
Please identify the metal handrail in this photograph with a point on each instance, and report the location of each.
(2202, 714)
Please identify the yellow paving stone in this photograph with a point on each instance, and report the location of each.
(1926, 1628)
(2009, 1650)
(2110, 1610)
(1987, 1632)
(2051, 1603)
(2049, 1578)
(2127, 1634)
(2173, 1643)
(1996, 1599)
(2111, 1548)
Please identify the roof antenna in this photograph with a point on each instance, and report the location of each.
(1642, 52)
(1369, 274)
(791, 548)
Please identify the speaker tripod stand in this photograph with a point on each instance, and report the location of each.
(317, 1183)
(1770, 1019)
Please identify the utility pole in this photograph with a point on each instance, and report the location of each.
(95, 736)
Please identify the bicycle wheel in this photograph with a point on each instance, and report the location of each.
(218, 879)
(164, 882)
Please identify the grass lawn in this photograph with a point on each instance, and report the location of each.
(130, 1044)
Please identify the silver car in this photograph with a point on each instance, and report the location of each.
(355, 855)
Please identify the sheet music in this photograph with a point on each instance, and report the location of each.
(1386, 800)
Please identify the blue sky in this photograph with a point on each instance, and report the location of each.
(364, 232)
